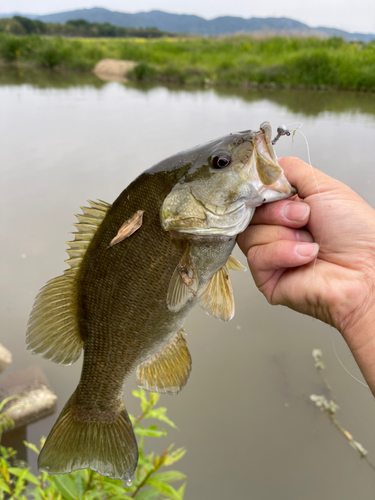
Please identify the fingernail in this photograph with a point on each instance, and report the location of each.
(304, 236)
(307, 249)
(296, 211)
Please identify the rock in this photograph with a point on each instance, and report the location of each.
(5, 358)
(36, 399)
(113, 69)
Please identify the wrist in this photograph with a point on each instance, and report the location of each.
(359, 334)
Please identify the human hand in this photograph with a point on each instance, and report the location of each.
(326, 269)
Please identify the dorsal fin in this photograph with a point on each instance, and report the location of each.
(216, 298)
(234, 265)
(53, 330)
(168, 370)
(183, 284)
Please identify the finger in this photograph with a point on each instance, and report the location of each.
(264, 260)
(264, 234)
(292, 213)
(305, 178)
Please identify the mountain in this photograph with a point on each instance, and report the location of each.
(190, 24)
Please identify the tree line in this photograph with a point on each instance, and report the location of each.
(18, 25)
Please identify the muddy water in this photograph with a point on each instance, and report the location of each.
(245, 415)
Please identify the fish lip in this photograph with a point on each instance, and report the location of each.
(264, 137)
(214, 213)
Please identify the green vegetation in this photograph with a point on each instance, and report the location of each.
(150, 482)
(239, 61)
(18, 25)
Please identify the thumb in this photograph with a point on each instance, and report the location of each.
(305, 178)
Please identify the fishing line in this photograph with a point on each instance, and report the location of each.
(341, 363)
(297, 129)
(293, 131)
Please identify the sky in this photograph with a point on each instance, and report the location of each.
(354, 16)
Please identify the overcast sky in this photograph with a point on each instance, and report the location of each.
(357, 15)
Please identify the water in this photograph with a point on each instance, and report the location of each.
(245, 415)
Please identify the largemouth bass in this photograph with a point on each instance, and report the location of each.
(136, 270)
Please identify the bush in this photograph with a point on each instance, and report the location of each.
(142, 72)
(17, 482)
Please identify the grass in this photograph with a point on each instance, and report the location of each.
(240, 61)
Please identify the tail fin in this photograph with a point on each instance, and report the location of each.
(102, 443)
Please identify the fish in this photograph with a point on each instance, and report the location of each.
(136, 269)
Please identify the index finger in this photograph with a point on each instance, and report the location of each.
(292, 213)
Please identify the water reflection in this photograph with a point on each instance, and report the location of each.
(310, 103)
(245, 415)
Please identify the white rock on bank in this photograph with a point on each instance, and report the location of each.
(5, 358)
(113, 69)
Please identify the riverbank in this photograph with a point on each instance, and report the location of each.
(239, 61)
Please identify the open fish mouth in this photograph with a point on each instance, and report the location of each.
(270, 174)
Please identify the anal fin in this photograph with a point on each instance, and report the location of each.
(168, 370)
(216, 298)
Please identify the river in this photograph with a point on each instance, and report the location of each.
(245, 415)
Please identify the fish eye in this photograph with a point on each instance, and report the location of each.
(221, 161)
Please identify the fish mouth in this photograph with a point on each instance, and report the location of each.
(217, 211)
(213, 221)
(269, 171)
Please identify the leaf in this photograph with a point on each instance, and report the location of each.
(80, 483)
(169, 476)
(163, 488)
(154, 398)
(6, 400)
(5, 487)
(160, 414)
(114, 488)
(142, 396)
(29, 476)
(31, 446)
(175, 456)
(151, 431)
(147, 495)
(16, 471)
(181, 491)
(66, 486)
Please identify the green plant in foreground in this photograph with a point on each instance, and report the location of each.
(151, 480)
(330, 407)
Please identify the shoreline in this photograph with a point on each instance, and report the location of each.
(239, 62)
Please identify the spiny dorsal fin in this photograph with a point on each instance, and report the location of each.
(168, 370)
(234, 265)
(87, 226)
(183, 284)
(53, 329)
(216, 298)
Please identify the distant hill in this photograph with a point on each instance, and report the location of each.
(182, 23)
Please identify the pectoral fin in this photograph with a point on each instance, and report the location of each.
(183, 284)
(128, 228)
(168, 370)
(216, 298)
(234, 265)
